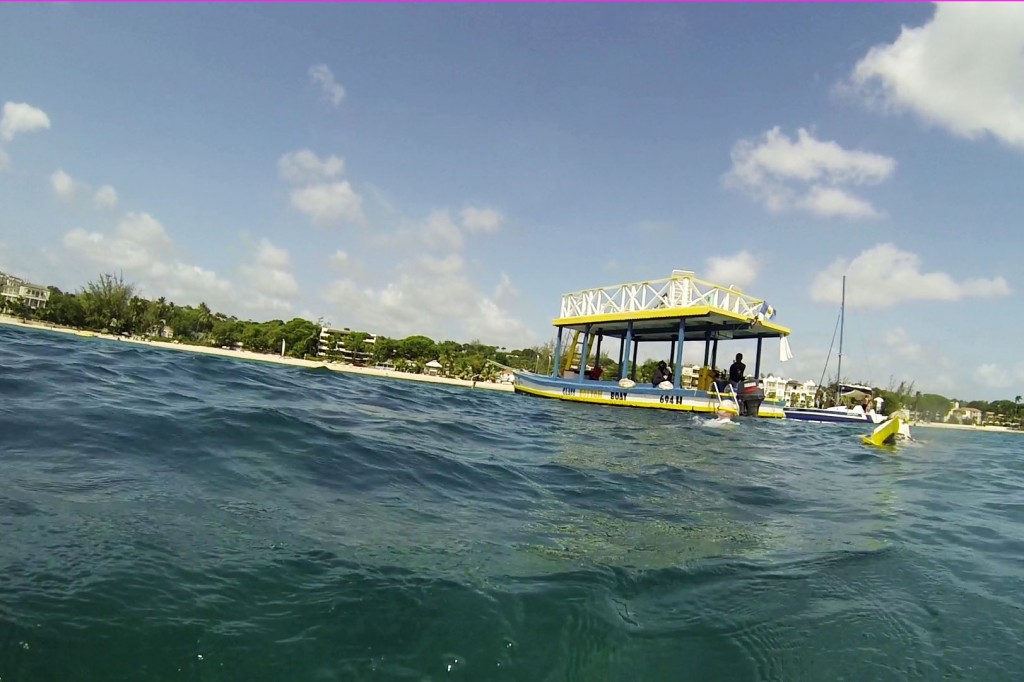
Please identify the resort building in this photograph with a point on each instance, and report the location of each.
(14, 289)
(332, 345)
(963, 415)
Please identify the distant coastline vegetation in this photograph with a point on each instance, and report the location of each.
(112, 305)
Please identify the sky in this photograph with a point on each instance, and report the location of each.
(453, 169)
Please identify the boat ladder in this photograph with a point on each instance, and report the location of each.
(732, 392)
(570, 358)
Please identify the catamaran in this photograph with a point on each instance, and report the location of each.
(840, 412)
(679, 309)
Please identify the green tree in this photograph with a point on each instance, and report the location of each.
(417, 348)
(107, 303)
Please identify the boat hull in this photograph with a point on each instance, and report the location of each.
(610, 393)
(824, 415)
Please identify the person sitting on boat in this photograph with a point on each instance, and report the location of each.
(661, 374)
(595, 372)
(720, 383)
(736, 372)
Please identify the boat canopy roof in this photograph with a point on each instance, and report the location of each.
(655, 308)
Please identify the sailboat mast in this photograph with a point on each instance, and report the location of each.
(839, 366)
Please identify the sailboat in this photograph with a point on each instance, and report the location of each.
(839, 413)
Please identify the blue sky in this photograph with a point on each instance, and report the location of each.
(452, 170)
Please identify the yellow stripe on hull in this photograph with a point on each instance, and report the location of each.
(710, 407)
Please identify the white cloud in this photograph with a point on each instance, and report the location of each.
(884, 276)
(272, 256)
(138, 242)
(505, 294)
(304, 166)
(477, 220)
(21, 118)
(139, 246)
(830, 202)
(63, 185)
(806, 174)
(963, 70)
(339, 259)
(105, 197)
(429, 295)
(441, 232)
(898, 343)
(740, 269)
(332, 90)
(329, 203)
(270, 277)
(997, 376)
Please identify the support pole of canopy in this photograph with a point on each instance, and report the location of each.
(757, 363)
(677, 376)
(597, 352)
(584, 354)
(622, 348)
(714, 353)
(558, 354)
(707, 347)
(624, 353)
(632, 365)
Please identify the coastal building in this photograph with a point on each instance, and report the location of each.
(332, 346)
(16, 289)
(963, 415)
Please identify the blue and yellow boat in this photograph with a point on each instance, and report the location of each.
(679, 309)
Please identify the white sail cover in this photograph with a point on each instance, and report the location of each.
(784, 352)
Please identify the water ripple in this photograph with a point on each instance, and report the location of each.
(172, 516)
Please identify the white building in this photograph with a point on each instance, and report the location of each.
(15, 288)
(332, 344)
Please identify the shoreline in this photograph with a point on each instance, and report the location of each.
(964, 427)
(267, 357)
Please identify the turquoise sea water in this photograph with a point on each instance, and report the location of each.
(169, 516)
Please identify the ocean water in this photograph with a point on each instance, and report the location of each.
(170, 516)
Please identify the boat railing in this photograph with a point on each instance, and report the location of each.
(678, 291)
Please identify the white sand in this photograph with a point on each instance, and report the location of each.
(269, 357)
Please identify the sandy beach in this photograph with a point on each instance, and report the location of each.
(266, 357)
(964, 427)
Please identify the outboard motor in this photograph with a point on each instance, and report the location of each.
(750, 396)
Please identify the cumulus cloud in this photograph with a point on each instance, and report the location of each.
(270, 276)
(64, 186)
(884, 276)
(963, 71)
(430, 295)
(105, 197)
(138, 242)
(21, 118)
(739, 270)
(338, 259)
(440, 232)
(476, 220)
(992, 375)
(139, 246)
(329, 204)
(898, 344)
(304, 166)
(806, 174)
(331, 89)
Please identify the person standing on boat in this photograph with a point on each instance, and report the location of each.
(736, 372)
(661, 374)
